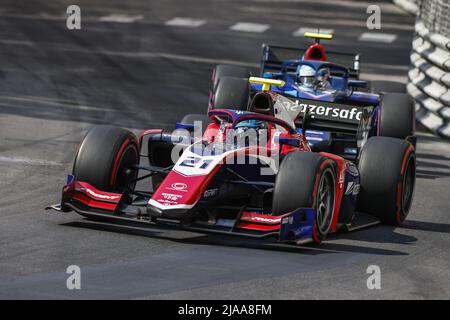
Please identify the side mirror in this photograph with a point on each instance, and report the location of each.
(358, 84)
(188, 127)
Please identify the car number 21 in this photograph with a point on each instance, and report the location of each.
(195, 162)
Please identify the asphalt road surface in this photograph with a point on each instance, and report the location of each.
(144, 64)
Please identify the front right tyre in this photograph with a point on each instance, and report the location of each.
(307, 180)
(104, 157)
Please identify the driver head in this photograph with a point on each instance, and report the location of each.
(254, 124)
(247, 133)
(305, 76)
(323, 74)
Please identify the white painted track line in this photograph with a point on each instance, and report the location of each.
(377, 37)
(185, 22)
(121, 18)
(29, 161)
(250, 27)
(301, 31)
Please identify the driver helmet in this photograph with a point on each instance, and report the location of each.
(246, 133)
(256, 124)
(306, 76)
(323, 75)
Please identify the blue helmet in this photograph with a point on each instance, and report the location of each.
(255, 124)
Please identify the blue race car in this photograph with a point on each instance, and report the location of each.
(326, 87)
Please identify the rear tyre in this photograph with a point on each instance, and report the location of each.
(387, 175)
(228, 71)
(221, 71)
(190, 119)
(231, 93)
(397, 116)
(104, 157)
(306, 180)
(387, 86)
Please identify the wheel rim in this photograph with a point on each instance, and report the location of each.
(325, 202)
(408, 187)
(123, 176)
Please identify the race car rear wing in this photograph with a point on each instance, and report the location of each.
(332, 116)
(274, 56)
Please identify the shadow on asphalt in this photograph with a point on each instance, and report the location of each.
(428, 138)
(378, 234)
(427, 168)
(427, 226)
(431, 174)
(428, 164)
(326, 247)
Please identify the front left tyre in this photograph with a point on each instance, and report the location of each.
(387, 169)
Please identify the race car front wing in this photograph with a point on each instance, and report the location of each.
(86, 200)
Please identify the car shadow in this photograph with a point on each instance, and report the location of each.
(428, 164)
(426, 138)
(195, 238)
(431, 156)
(377, 234)
(431, 174)
(426, 226)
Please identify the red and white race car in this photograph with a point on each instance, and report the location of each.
(249, 173)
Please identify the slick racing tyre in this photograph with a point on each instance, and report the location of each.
(387, 86)
(190, 119)
(220, 72)
(306, 180)
(231, 93)
(397, 116)
(228, 71)
(387, 169)
(104, 156)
